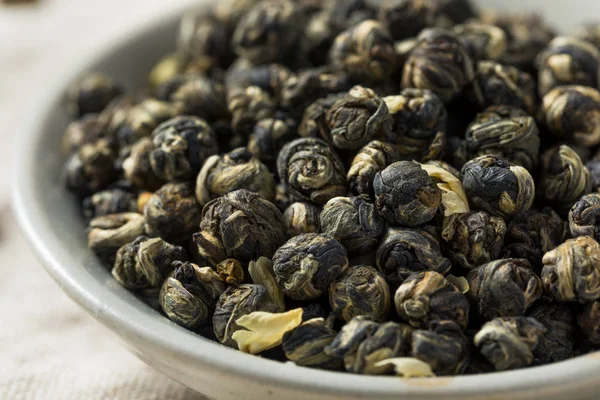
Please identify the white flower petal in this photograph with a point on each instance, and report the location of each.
(408, 367)
(265, 330)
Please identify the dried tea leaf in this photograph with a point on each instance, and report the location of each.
(265, 329)
(408, 367)
(368, 161)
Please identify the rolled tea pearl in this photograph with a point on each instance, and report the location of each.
(563, 178)
(571, 271)
(311, 170)
(497, 186)
(302, 217)
(405, 194)
(439, 62)
(428, 296)
(573, 113)
(360, 290)
(354, 222)
(356, 118)
(567, 61)
(503, 288)
(364, 51)
(307, 264)
(508, 342)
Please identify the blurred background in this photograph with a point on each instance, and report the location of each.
(49, 347)
(40, 37)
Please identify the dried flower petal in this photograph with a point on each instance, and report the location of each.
(454, 198)
(460, 282)
(236, 302)
(265, 330)
(408, 367)
(261, 272)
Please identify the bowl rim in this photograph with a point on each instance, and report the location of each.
(119, 314)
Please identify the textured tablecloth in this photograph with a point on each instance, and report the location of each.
(49, 347)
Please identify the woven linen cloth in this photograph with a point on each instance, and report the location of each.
(49, 347)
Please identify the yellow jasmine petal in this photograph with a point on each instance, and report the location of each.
(460, 282)
(265, 330)
(454, 197)
(408, 367)
(261, 272)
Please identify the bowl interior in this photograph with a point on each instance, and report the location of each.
(563, 16)
(49, 217)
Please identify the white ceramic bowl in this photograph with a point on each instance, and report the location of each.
(49, 218)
